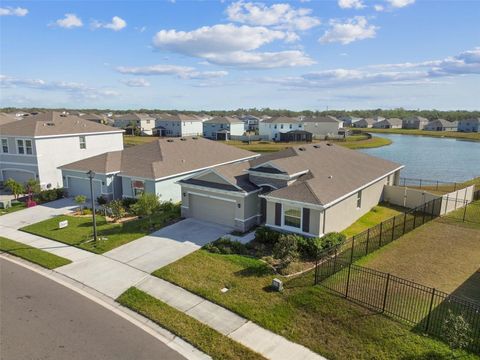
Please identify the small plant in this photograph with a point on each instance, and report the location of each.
(286, 249)
(101, 200)
(80, 200)
(266, 236)
(15, 187)
(333, 239)
(128, 202)
(32, 187)
(456, 331)
(225, 245)
(310, 247)
(147, 205)
(117, 209)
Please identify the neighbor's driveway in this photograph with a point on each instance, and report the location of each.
(168, 244)
(19, 219)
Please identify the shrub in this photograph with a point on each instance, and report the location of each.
(117, 209)
(266, 236)
(456, 331)
(32, 187)
(128, 202)
(101, 200)
(80, 200)
(333, 239)
(225, 245)
(15, 187)
(286, 249)
(147, 205)
(310, 247)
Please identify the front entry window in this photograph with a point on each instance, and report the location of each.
(292, 217)
(138, 188)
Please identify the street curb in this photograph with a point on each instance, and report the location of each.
(171, 340)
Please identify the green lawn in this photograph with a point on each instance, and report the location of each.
(470, 214)
(37, 256)
(79, 230)
(16, 206)
(449, 134)
(374, 217)
(309, 315)
(366, 144)
(208, 340)
(130, 140)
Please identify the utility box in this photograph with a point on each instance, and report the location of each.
(277, 285)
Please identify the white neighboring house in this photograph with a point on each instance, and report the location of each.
(281, 124)
(223, 127)
(178, 125)
(322, 126)
(37, 145)
(144, 122)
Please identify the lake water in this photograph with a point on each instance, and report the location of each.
(431, 158)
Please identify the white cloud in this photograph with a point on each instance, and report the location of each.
(378, 7)
(74, 89)
(11, 11)
(351, 4)
(282, 16)
(465, 63)
(353, 29)
(400, 3)
(137, 82)
(231, 45)
(116, 24)
(70, 21)
(183, 72)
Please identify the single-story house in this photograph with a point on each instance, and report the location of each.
(154, 167)
(322, 126)
(391, 123)
(35, 146)
(414, 122)
(310, 190)
(223, 127)
(178, 125)
(350, 120)
(441, 125)
(469, 125)
(272, 127)
(365, 123)
(143, 122)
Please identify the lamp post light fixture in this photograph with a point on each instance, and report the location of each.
(91, 176)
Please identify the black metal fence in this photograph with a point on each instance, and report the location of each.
(421, 306)
(426, 184)
(464, 210)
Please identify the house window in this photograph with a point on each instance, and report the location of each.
(138, 188)
(23, 147)
(291, 126)
(299, 125)
(359, 199)
(28, 147)
(281, 126)
(5, 146)
(292, 216)
(148, 121)
(83, 143)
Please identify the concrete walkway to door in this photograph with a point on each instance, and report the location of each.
(168, 244)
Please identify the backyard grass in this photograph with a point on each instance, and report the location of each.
(16, 206)
(443, 254)
(448, 134)
(208, 340)
(308, 315)
(374, 217)
(111, 235)
(130, 140)
(37, 256)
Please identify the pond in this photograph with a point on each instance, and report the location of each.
(425, 157)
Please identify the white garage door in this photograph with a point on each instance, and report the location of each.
(77, 186)
(212, 210)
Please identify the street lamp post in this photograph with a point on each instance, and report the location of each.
(91, 176)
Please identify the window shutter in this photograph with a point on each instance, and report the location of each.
(306, 220)
(278, 214)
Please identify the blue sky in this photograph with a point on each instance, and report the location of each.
(193, 55)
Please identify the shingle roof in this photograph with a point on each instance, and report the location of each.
(134, 116)
(391, 121)
(53, 123)
(6, 118)
(223, 120)
(443, 122)
(281, 119)
(178, 117)
(322, 119)
(164, 158)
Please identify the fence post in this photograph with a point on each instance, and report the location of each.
(380, 239)
(335, 261)
(348, 280)
(385, 294)
(430, 310)
(315, 281)
(414, 218)
(404, 222)
(456, 199)
(393, 228)
(353, 245)
(464, 212)
(420, 183)
(368, 239)
(454, 186)
(424, 211)
(437, 186)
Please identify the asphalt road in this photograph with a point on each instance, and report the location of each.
(41, 319)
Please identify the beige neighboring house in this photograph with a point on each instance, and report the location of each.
(143, 122)
(322, 126)
(391, 123)
(415, 122)
(441, 125)
(365, 123)
(178, 125)
(309, 190)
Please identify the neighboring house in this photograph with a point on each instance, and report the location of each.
(223, 127)
(94, 117)
(392, 123)
(154, 167)
(143, 122)
(37, 145)
(272, 127)
(7, 118)
(441, 125)
(414, 122)
(311, 190)
(350, 120)
(178, 125)
(322, 126)
(469, 125)
(365, 123)
(251, 122)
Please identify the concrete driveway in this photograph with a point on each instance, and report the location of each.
(168, 244)
(19, 219)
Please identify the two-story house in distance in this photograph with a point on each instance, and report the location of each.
(273, 127)
(37, 145)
